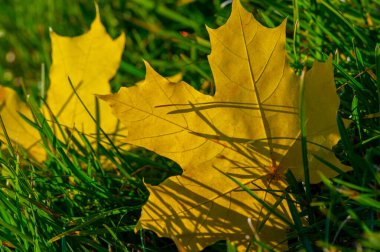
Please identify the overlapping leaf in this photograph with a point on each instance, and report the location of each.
(249, 130)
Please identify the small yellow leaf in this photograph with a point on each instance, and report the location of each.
(90, 61)
(249, 129)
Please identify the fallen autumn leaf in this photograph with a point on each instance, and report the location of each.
(250, 130)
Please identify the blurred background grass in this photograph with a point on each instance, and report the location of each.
(171, 35)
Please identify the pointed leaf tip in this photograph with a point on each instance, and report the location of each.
(150, 72)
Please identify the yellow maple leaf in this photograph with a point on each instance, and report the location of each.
(249, 130)
(90, 61)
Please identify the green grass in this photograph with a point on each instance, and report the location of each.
(72, 202)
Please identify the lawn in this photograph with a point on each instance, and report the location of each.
(87, 195)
